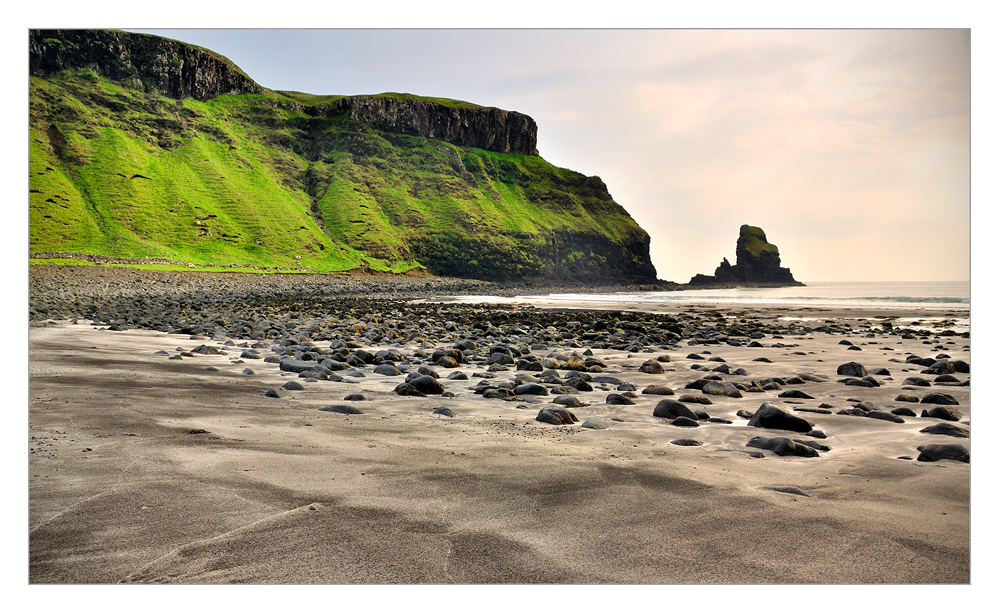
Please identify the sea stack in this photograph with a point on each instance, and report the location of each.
(757, 264)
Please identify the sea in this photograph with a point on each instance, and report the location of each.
(934, 297)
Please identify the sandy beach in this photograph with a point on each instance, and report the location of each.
(146, 468)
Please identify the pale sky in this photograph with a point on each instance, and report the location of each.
(850, 148)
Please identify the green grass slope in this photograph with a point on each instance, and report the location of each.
(271, 180)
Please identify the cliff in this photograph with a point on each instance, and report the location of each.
(136, 153)
(466, 126)
(757, 264)
(172, 68)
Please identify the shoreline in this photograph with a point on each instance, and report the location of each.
(155, 457)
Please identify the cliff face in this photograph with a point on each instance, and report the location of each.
(466, 126)
(174, 69)
(132, 155)
(757, 263)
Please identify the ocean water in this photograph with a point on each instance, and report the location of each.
(946, 303)
(951, 296)
(931, 295)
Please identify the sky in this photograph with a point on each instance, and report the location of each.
(850, 148)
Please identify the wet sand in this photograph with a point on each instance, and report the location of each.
(125, 488)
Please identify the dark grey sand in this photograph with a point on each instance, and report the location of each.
(147, 469)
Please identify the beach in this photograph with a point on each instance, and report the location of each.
(155, 457)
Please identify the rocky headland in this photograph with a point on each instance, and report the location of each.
(143, 147)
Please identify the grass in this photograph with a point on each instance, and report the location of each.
(755, 242)
(256, 179)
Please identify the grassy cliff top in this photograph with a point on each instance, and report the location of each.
(755, 241)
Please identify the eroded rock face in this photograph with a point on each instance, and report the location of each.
(175, 69)
(757, 262)
(467, 126)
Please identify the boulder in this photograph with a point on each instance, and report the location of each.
(782, 446)
(942, 413)
(853, 369)
(770, 416)
(669, 408)
(531, 388)
(556, 416)
(947, 451)
(651, 366)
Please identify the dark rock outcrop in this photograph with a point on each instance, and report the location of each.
(174, 69)
(464, 125)
(757, 263)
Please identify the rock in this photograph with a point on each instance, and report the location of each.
(742, 413)
(936, 452)
(658, 389)
(795, 394)
(684, 421)
(903, 411)
(355, 397)
(905, 397)
(277, 393)
(444, 411)
(916, 381)
(457, 375)
(946, 428)
(686, 442)
(852, 369)
(387, 369)
(206, 349)
(782, 446)
(298, 366)
(939, 398)
(407, 389)
(556, 416)
(530, 388)
(850, 381)
(867, 406)
(668, 408)
(248, 371)
(570, 401)
(722, 389)
(694, 398)
(293, 385)
(428, 371)
(942, 413)
(161, 353)
(884, 415)
(342, 409)
(426, 384)
(596, 424)
(651, 366)
(771, 416)
(617, 399)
